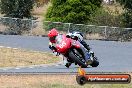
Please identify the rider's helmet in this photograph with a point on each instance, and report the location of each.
(78, 34)
(52, 35)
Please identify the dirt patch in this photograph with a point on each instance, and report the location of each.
(35, 81)
(21, 57)
(39, 12)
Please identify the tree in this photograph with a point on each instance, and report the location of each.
(127, 16)
(17, 8)
(103, 17)
(126, 3)
(73, 11)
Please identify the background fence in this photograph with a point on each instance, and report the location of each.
(93, 31)
(15, 25)
(18, 26)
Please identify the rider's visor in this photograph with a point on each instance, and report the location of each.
(52, 38)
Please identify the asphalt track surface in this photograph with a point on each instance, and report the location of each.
(113, 56)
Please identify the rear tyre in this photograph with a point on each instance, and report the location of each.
(77, 59)
(95, 62)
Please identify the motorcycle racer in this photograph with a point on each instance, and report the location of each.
(54, 37)
(78, 36)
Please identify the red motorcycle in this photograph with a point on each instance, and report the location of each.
(70, 49)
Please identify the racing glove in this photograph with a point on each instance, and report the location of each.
(57, 54)
(52, 47)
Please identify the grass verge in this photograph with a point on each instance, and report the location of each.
(50, 81)
(19, 57)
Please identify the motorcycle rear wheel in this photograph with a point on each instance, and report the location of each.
(95, 62)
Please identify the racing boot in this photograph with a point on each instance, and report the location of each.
(89, 58)
(86, 55)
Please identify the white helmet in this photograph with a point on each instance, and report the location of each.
(68, 35)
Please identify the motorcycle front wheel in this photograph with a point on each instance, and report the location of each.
(76, 58)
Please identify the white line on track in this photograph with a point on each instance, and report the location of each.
(4, 69)
(31, 67)
(8, 47)
(15, 48)
(17, 68)
(57, 65)
(1, 46)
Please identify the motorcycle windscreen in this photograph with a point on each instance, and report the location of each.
(63, 44)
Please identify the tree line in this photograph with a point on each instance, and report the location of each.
(71, 11)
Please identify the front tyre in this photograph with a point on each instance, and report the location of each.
(75, 57)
